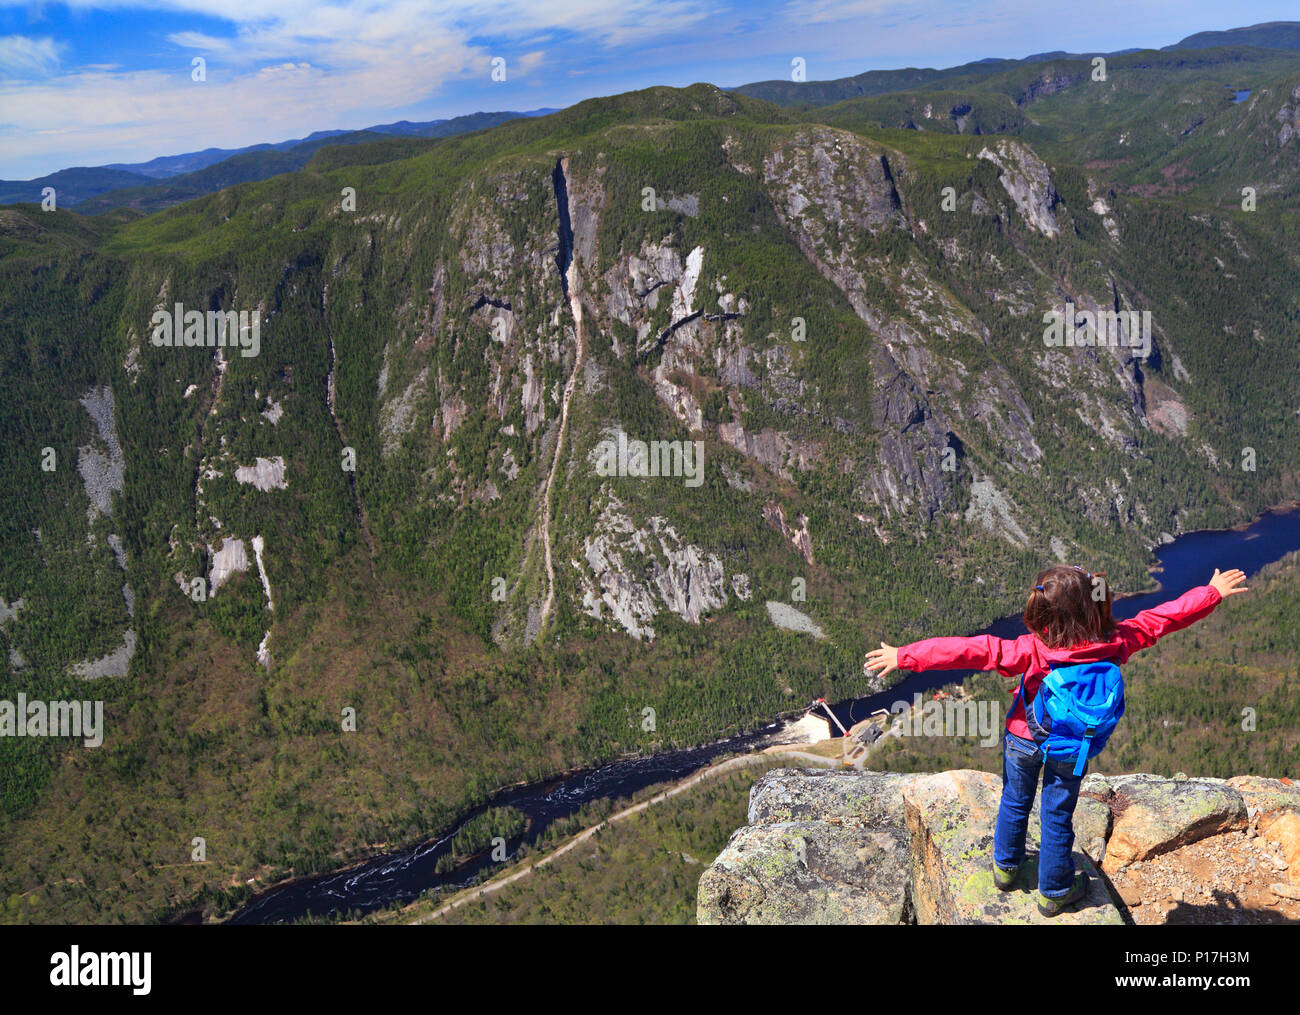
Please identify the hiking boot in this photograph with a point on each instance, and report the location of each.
(1052, 907)
(1004, 880)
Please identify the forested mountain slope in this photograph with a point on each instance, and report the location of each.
(367, 504)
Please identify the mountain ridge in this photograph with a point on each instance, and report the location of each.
(87, 182)
(1278, 36)
(864, 368)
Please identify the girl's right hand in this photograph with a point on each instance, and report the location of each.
(884, 659)
(1226, 584)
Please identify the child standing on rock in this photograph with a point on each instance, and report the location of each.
(1069, 677)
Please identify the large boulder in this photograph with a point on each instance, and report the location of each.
(1265, 795)
(806, 872)
(1283, 827)
(1151, 815)
(1091, 827)
(868, 799)
(950, 821)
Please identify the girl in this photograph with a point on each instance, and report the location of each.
(1068, 615)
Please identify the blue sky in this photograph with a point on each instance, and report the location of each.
(100, 81)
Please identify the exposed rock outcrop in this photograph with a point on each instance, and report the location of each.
(837, 847)
(950, 819)
(914, 434)
(9, 611)
(829, 187)
(798, 534)
(991, 509)
(115, 664)
(101, 473)
(786, 616)
(1026, 179)
(808, 872)
(776, 451)
(632, 573)
(265, 474)
(229, 558)
(819, 848)
(1289, 119)
(1154, 815)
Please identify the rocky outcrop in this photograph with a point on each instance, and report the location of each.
(637, 283)
(1153, 815)
(819, 848)
(990, 508)
(829, 187)
(776, 451)
(7, 611)
(914, 434)
(785, 616)
(397, 416)
(1265, 796)
(808, 872)
(115, 664)
(950, 820)
(102, 472)
(826, 179)
(632, 573)
(229, 558)
(839, 847)
(798, 533)
(265, 473)
(1024, 176)
(1289, 119)
(872, 798)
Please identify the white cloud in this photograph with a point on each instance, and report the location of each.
(284, 69)
(612, 24)
(529, 62)
(814, 11)
(198, 40)
(295, 66)
(21, 56)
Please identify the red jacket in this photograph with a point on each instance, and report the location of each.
(1028, 655)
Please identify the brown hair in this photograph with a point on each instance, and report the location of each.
(1069, 606)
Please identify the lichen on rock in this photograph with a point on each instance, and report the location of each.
(872, 847)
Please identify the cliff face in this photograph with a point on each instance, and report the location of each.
(850, 326)
(834, 847)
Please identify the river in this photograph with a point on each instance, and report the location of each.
(405, 875)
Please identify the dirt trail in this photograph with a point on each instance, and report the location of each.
(575, 305)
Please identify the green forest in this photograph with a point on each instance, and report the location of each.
(385, 665)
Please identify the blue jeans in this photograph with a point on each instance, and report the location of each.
(1021, 762)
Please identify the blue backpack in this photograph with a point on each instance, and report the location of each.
(1075, 711)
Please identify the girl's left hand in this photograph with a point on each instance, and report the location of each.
(884, 659)
(1228, 583)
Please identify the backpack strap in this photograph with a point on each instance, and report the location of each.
(1084, 747)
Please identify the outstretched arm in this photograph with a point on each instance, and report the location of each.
(1149, 626)
(982, 652)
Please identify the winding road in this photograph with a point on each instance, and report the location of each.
(723, 766)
